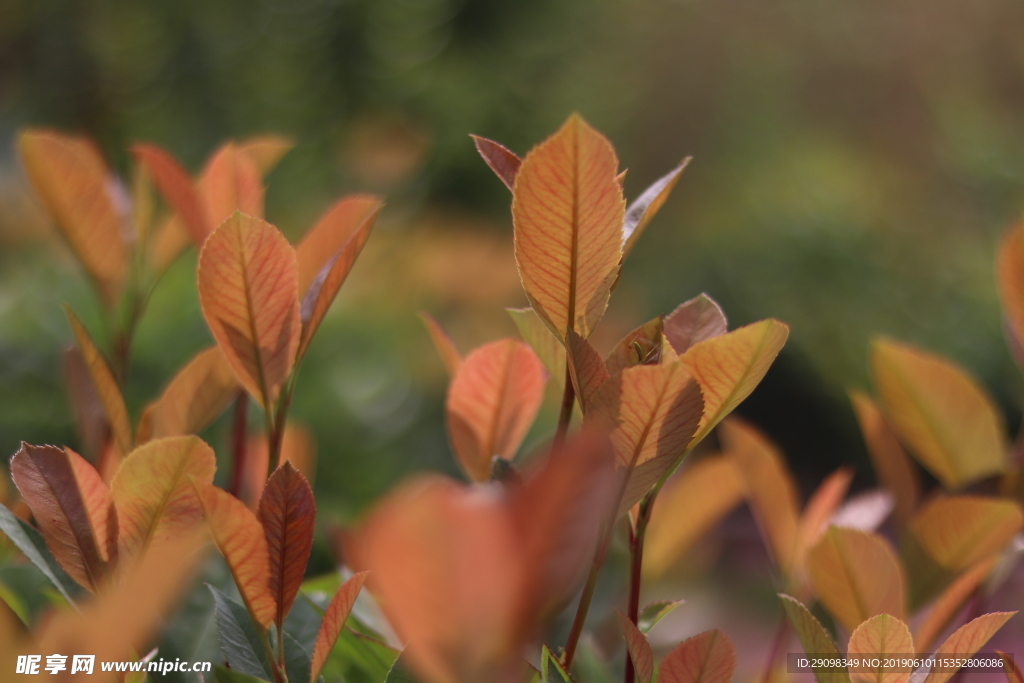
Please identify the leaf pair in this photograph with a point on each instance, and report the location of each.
(465, 574)
(882, 635)
(263, 299)
(572, 228)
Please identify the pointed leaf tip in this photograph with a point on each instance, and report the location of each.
(499, 158)
(334, 620)
(287, 512)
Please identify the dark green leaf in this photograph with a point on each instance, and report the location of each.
(239, 641)
(32, 545)
(296, 659)
(224, 675)
(399, 673)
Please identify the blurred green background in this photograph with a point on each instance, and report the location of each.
(855, 164)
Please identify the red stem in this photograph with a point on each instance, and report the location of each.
(239, 443)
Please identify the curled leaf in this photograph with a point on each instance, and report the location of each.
(644, 207)
(642, 346)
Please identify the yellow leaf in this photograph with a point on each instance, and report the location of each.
(856, 576)
(944, 417)
(653, 411)
(960, 531)
(877, 637)
(491, 403)
(248, 290)
(265, 150)
(104, 383)
(687, 507)
(240, 539)
(72, 181)
(199, 393)
(771, 491)
(892, 465)
(154, 500)
(730, 366)
(567, 210)
(966, 641)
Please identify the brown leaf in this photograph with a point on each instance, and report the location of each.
(287, 512)
(705, 658)
(503, 162)
(644, 207)
(694, 321)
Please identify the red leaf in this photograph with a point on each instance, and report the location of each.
(705, 658)
(503, 162)
(586, 368)
(287, 512)
(177, 189)
(638, 647)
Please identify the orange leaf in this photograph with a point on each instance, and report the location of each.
(329, 235)
(197, 395)
(694, 321)
(567, 210)
(287, 512)
(230, 182)
(960, 531)
(547, 347)
(771, 491)
(334, 620)
(1010, 278)
(587, 370)
(492, 401)
(894, 469)
(966, 641)
(1013, 672)
(642, 346)
(638, 647)
(503, 162)
(70, 177)
(265, 150)
(877, 637)
(856, 575)
(819, 510)
(946, 419)
(297, 447)
(176, 187)
(327, 254)
(86, 407)
(446, 349)
(248, 289)
(948, 604)
(170, 238)
(654, 411)
(705, 658)
(154, 500)
(644, 207)
(241, 541)
(730, 366)
(72, 507)
(688, 506)
(105, 384)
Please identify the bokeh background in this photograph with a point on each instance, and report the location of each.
(854, 166)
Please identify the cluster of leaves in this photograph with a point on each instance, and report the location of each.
(463, 577)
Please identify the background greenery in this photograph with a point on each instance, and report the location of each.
(855, 163)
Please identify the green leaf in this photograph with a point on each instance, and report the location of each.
(655, 612)
(225, 675)
(303, 623)
(296, 659)
(551, 669)
(372, 657)
(31, 543)
(399, 673)
(239, 641)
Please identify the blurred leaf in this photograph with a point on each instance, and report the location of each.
(642, 346)
(771, 491)
(730, 366)
(287, 513)
(341, 233)
(492, 401)
(694, 321)
(856, 576)
(688, 506)
(86, 407)
(155, 501)
(864, 511)
(567, 210)
(587, 371)
(303, 623)
(638, 648)
(877, 637)
(708, 657)
(814, 639)
(443, 344)
(73, 508)
(1010, 278)
(230, 182)
(370, 656)
(177, 189)
(941, 413)
(960, 531)
(644, 207)
(653, 411)
(73, 183)
(966, 641)
(296, 661)
(248, 289)
(32, 545)
(334, 621)
(949, 603)
(891, 464)
(224, 675)
(195, 397)
(551, 668)
(239, 641)
(106, 386)
(240, 539)
(1013, 672)
(297, 447)
(819, 509)
(503, 162)
(547, 347)
(265, 150)
(654, 612)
